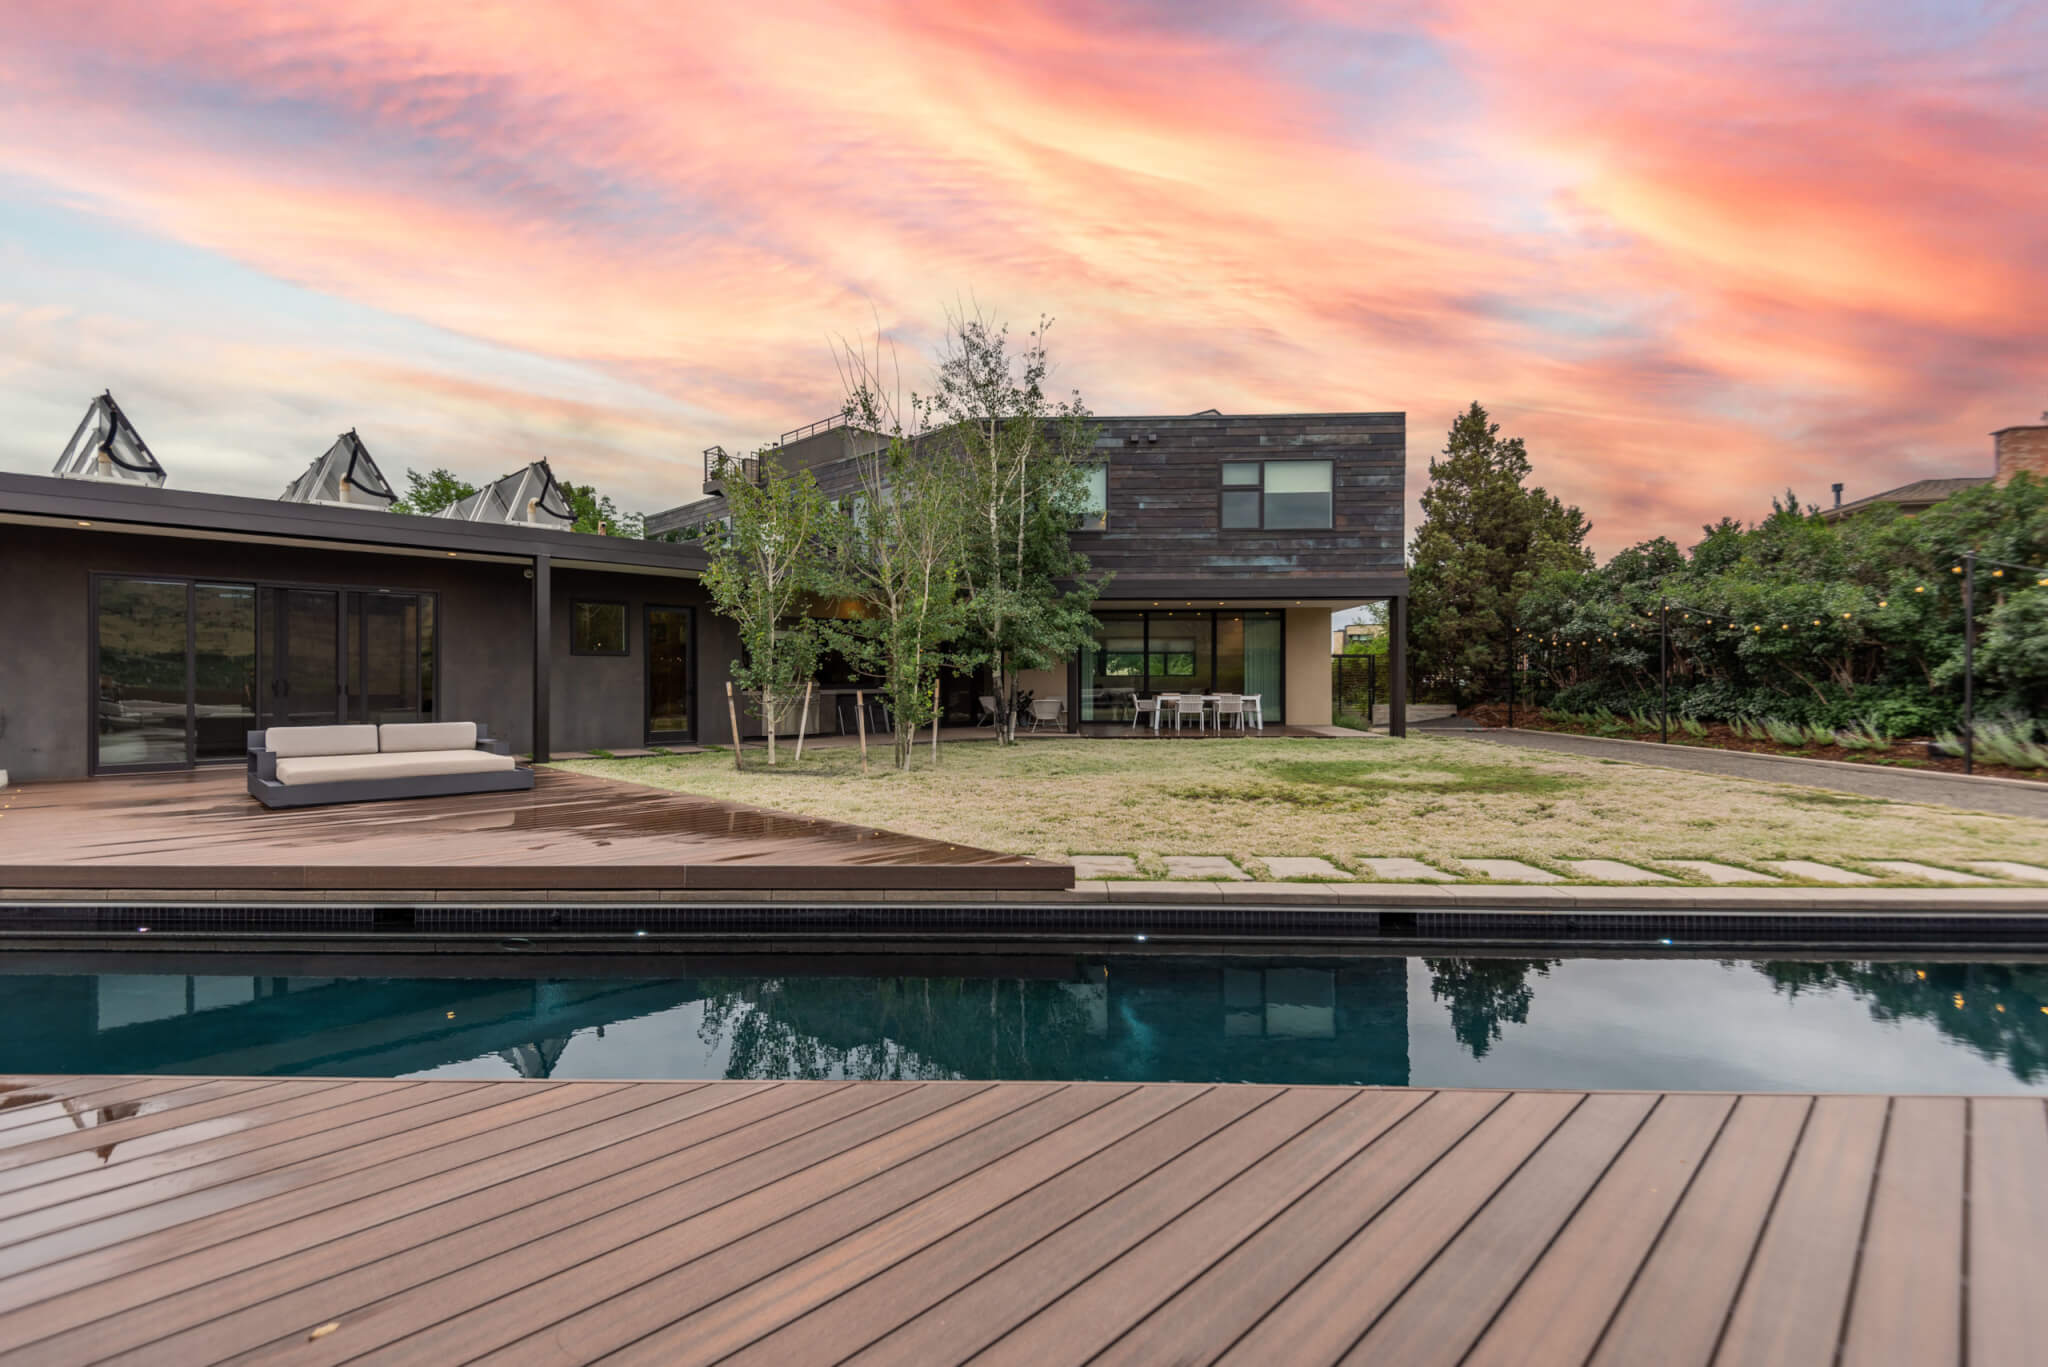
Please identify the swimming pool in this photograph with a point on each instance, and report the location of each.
(1900, 1024)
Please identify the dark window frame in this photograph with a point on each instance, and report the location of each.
(625, 649)
(93, 766)
(1257, 488)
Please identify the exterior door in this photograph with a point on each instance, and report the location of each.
(669, 638)
(306, 678)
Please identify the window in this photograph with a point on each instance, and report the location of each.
(1278, 495)
(597, 628)
(1095, 509)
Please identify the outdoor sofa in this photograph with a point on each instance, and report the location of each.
(310, 766)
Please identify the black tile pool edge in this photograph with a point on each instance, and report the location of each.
(128, 923)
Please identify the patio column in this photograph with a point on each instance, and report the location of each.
(1397, 666)
(543, 622)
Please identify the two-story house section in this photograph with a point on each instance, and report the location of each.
(1229, 540)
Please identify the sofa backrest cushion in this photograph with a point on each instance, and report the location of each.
(295, 741)
(427, 735)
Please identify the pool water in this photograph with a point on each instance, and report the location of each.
(1890, 1025)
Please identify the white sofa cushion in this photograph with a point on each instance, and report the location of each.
(400, 736)
(320, 740)
(405, 764)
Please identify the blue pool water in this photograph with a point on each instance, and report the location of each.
(1887, 1025)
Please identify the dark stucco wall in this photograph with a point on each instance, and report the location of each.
(486, 653)
(599, 701)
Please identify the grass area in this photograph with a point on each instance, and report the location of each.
(1433, 798)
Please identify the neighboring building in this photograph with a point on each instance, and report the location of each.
(1230, 540)
(2013, 449)
(1342, 637)
(150, 628)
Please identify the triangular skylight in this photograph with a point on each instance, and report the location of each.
(528, 497)
(345, 477)
(107, 446)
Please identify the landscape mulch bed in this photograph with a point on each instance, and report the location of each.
(1903, 754)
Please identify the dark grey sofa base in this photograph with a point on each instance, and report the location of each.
(271, 793)
(264, 787)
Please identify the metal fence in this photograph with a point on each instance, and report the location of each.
(1358, 689)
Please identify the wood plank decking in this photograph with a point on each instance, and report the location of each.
(201, 830)
(174, 1220)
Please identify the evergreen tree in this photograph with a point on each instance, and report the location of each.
(1485, 540)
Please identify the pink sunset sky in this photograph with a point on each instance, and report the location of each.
(1694, 253)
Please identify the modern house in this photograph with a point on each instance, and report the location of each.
(146, 627)
(2013, 450)
(1230, 540)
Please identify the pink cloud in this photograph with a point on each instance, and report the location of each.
(1690, 253)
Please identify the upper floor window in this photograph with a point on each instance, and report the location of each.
(1280, 495)
(1095, 508)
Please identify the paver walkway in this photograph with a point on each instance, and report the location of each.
(1509, 871)
(2004, 796)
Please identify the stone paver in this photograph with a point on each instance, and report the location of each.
(1194, 867)
(1817, 873)
(1906, 868)
(1509, 871)
(1612, 871)
(1406, 871)
(1301, 866)
(1094, 866)
(2006, 868)
(1719, 873)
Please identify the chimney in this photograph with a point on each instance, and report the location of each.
(1838, 495)
(2021, 448)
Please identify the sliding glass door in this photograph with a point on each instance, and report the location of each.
(143, 645)
(1144, 653)
(184, 670)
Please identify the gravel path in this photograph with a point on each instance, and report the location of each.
(2007, 797)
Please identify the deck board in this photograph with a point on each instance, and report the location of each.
(165, 833)
(227, 1219)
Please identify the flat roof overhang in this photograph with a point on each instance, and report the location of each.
(44, 500)
(1128, 591)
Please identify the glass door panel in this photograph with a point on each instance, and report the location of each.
(1177, 652)
(224, 669)
(143, 691)
(309, 658)
(384, 657)
(1113, 667)
(1265, 637)
(668, 673)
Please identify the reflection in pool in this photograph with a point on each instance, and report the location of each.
(1673, 1022)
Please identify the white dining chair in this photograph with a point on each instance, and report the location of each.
(1162, 708)
(1252, 712)
(988, 711)
(1187, 705)
(1143, 707)
(1229, 710)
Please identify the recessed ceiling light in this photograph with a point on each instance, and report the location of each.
(83, 523)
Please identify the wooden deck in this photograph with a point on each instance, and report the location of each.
(174, 1220)
(201, 830)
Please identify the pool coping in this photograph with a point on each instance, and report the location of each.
(1624, 899)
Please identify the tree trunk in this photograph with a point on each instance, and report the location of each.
(768, 721)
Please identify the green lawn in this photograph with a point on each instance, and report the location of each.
(1431, 798)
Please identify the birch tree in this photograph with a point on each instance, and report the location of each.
(901, 544)
(766, 571)
(1024, 485)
